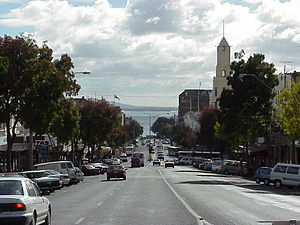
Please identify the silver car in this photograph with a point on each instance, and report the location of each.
(22, 203)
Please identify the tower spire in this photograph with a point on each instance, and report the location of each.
(223, 29)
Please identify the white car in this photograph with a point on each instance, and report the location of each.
(21, 203)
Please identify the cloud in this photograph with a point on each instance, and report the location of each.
(158, 47)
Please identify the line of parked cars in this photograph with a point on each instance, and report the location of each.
(282, 174)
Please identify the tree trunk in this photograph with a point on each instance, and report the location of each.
(8, 146)
(30, 151)
(292, 152)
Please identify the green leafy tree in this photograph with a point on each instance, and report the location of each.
(246, 107)
(133, 128)
(98, 118)
(118, 137)
(288, 112)
(184, 136)
(163, 127)
(31, 86)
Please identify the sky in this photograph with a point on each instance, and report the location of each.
(147, 52)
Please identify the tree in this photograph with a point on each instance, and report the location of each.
(246, 107)
(207, 120)
(31, 86)
(184, 136)
(118, 137)
(133, 128)
(98, 118)
(163, 126)
(288, 112)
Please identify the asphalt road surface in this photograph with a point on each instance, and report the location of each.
(167, 196)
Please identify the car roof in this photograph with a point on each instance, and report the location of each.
(14, 178)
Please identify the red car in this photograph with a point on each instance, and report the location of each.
(116, 171)
(90, 170)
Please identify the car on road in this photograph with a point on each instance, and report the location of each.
(64, 167)
(21, 202)
(185, 161)
(63, 177)
(79, 174)
(169, 163)
(262, 174)
(161, 157)
(123, 157)
(115, 161)
(101, 166)
(156, 162)
(216, 166)
(108, 161)
(42, 179)
(116, 171)
(90, 170)
(135, 162)
(139, 155)
(285, 174)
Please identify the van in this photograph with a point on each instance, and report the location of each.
(285, 174)
(64, 167)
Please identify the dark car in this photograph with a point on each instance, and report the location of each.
(116, 171)
(169, 163)
(101, 166)
(262, 174)
(156, 162)
(90, 170)
(44, 182)
(135, 162)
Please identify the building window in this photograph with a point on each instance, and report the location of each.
(223, 73)
(216, 91)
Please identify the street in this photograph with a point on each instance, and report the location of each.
(165, 196)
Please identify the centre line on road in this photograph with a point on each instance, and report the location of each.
(79, 221)
(99, 203)
(199, 219)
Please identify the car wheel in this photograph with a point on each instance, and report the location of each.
(48, 218)
(266, 182)
(108, 178)
(125, 178)
(33, 222)
(277, 184)
(257, 180)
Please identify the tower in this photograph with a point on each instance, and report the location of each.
(222, 71)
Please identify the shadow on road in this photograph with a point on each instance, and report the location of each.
(114, 180)
(188, 171)
(252, 188)
(212, 175)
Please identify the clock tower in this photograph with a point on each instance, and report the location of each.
(222, 71)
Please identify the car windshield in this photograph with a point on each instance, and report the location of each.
(32, 175)
(116, 168)
(10, 187)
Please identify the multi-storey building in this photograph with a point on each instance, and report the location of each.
(194, 100)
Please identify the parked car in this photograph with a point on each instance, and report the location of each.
(285, 174)
(262, 174)
(63, 177)
(108, 161)
(116, 171)
(90, 170)
(216, 166)
(234, 167)
(208, 166)
(10, 175)
(156, 162)
(123, 157)
(64, 167)
(44, 182)
(135, 162)
(161, 157)
(79, 174)
(115, 161)
(101, 166)
(169, 163)
(197, 161)
(203, 164)
(185, 161)
(21, 202)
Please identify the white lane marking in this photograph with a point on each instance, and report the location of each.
(99, 203)
(79, 221)
(111, 194)
(199, 219)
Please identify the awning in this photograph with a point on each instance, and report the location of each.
(257, 149)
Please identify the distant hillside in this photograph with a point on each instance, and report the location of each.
(127, 107)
